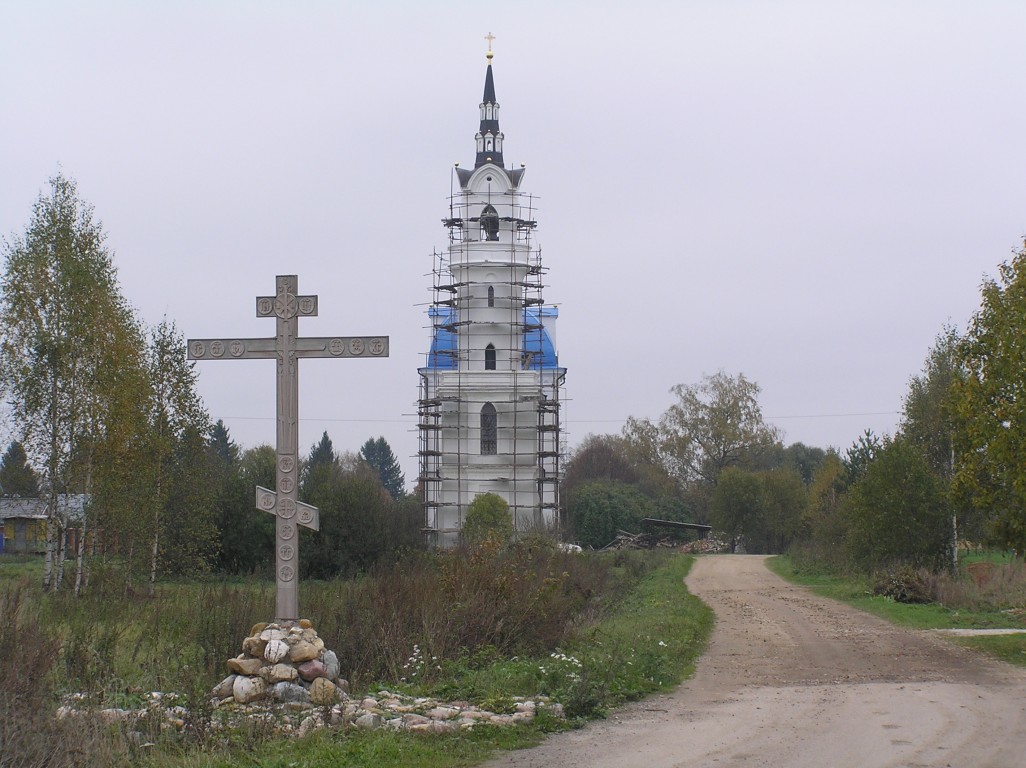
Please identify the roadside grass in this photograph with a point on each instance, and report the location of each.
(639, 631)
(648, 643)
(14, 567)
(857, 591)
(358, 749)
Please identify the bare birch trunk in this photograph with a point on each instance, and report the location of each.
(62, 549)
(51, 546)
(153, 563)
(128, 570)
(80, 559)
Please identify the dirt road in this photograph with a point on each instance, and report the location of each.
(791, 679)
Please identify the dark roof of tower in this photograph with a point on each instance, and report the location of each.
(489, 89)
(489, 126)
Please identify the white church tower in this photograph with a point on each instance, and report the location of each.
(489, 407)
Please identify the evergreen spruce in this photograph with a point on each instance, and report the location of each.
(17, 478)
(378, 453)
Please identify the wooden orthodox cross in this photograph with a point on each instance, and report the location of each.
(287, 347)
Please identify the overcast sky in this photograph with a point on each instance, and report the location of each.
(805, 192)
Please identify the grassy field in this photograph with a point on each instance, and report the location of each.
(998, 613)
(640, 631)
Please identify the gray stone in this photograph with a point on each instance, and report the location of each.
(331, 665)
(248, 689)
(412, 719)
(556, 710)
(276, 650)
(114, 715)
(309, 724)
(273, 632)
(224, 688)
(369, 721)
(290, 692)
(442, 713)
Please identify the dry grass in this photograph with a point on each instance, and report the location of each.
(30, 737)
(981, 587)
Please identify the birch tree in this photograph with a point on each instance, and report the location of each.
(67, 332)
(178, 424)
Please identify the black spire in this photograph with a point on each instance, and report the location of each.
(489, 137)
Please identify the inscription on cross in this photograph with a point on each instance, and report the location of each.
(287, 347)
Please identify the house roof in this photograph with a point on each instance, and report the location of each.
(71, 505)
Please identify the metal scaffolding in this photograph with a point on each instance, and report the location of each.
(490, 348)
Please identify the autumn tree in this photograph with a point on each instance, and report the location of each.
(990, 407)
(180, 503)
(713, 425)
(68, 339)
(928, 414)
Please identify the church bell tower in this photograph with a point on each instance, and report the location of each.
(489, 405)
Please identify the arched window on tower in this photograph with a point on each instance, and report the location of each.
(490, 357)
(491, 296)
(488, 111)
(480, 142)
(489, 430)
(488, 142)
(498, 143)
(489, 221)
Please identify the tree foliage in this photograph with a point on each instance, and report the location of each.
(712, 425)
(70, 343)
(180, 504)
(487, 517)
(928, 419)
(378, 454)
(360, 523)
(603, 507)
(990, 407)
(17, 478)
(760, 510)
(898, 511)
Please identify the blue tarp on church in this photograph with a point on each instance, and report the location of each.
(537, 347)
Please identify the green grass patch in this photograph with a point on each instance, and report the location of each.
(14, 567)
(647, 643)
(632, 629)
(358, 749)
(857, 591)
(1010, 648)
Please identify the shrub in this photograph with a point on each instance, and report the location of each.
(487, 517)
(600, 508)
(903, 585)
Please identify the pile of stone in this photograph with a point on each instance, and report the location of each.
(285, 663)
(705, 546)
(288, 681)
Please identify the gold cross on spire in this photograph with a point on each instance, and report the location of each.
(489, 37)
